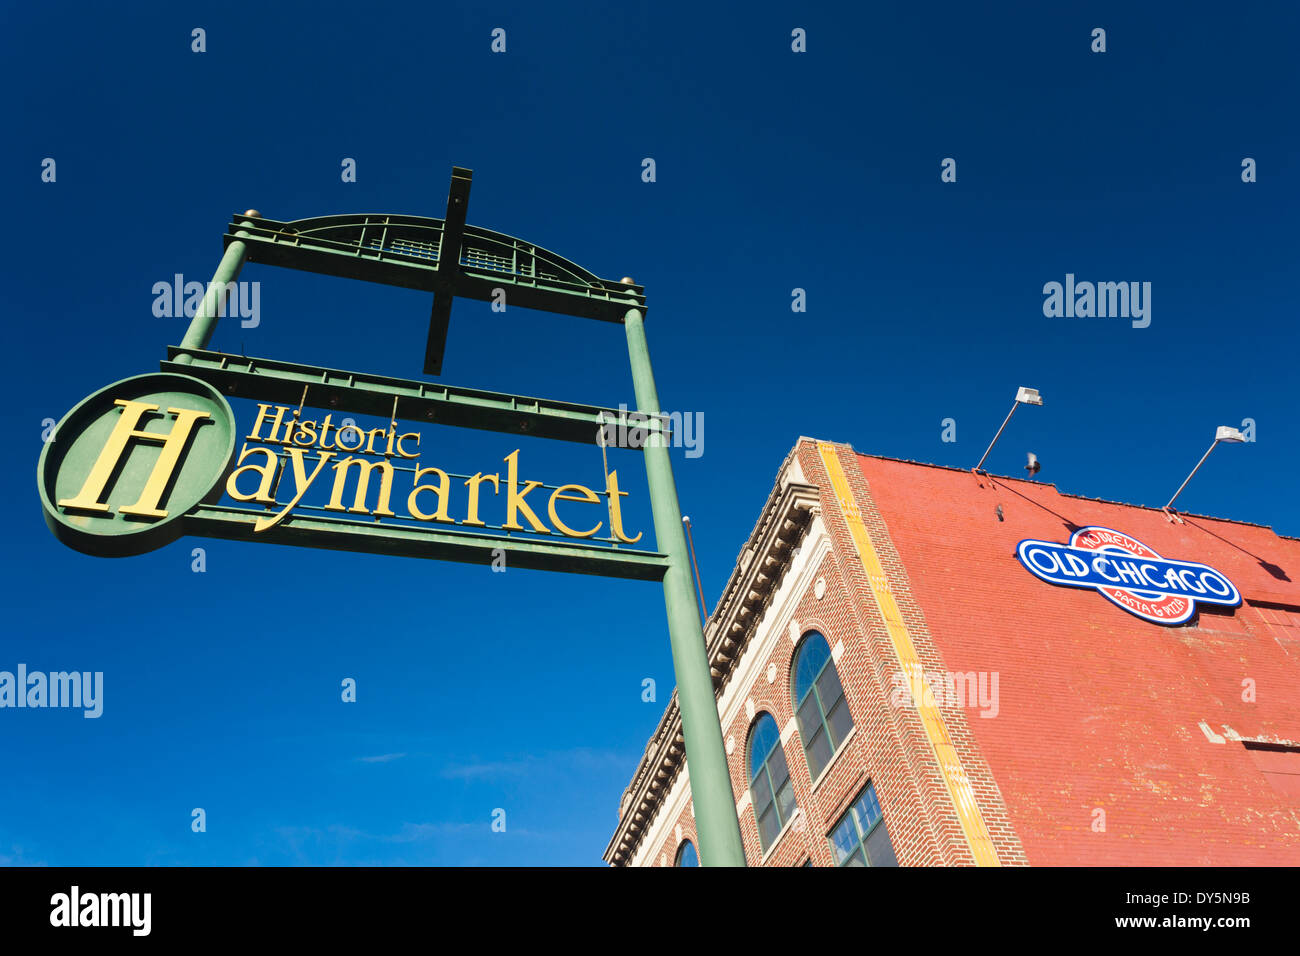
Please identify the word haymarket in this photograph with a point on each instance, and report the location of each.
(1103, 300)
(82, 689)
(296, 436)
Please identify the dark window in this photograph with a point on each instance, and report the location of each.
(769, 780)
(824, 719)
(860, 838)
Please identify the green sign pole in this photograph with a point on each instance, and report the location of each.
(706, 759)
(199, 334)
(449, 259)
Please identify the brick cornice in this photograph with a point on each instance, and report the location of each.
(760, 567)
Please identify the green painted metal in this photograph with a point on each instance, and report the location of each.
(204, 323)
(706, 758)
(271, 380)
(341, 534)
(79, 443)
(450, 258)
(404, 251)
(449, 255)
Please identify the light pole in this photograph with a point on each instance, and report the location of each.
(1024, 396)
(1224, 433)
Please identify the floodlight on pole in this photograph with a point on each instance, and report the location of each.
(1224, 433)
(1024, 396)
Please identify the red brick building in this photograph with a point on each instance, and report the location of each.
(894, 684)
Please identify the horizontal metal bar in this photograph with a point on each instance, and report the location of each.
(215, 521)
(269, 380)
(270, 246)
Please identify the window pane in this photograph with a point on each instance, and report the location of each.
(761, 741)
(879, 850)
(828, 685)
(867, 809)
(819, 753)
(785, 801)
(813, 653)
(768, 828)
(855, 860)
(762, 793)
(839, 720)
(780, 770)
(687, 855)
(810, 719)
(844, 840)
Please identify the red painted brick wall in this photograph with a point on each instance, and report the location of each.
(888, 746)
(1099, 709)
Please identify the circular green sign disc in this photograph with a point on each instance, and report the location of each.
(125, 465)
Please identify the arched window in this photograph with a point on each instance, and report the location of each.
(824, 719)
(686, 855)
(769, 780)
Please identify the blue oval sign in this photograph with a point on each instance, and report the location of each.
(1128, 573)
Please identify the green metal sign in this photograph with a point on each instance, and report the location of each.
(129, 463)
(150, 458)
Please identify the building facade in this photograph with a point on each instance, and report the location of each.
(914, 666)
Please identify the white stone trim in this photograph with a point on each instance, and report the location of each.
(787, 731)
(666, 817)
(776, 620)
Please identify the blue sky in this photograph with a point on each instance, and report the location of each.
(775, 171)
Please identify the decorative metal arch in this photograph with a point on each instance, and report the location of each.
(442, 256)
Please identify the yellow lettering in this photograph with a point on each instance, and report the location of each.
(262, 414)
(515, 498)
(268, 470)
(472, 484)
(615, 509)
(300, 482)
(401, 451)
(588, 496)
(440, 489)
(370, 445)
(363, 484)
(305, 436)
(338, 438)
(173, 442)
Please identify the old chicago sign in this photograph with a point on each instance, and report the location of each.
(1127, 572)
